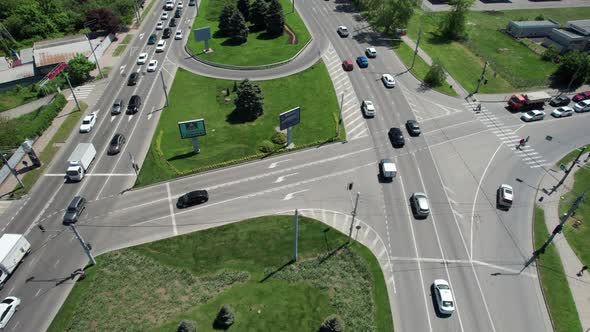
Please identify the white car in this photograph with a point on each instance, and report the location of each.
(142, 58)
(444, 297)
(534, 115)
(388, 80)
(88, 123)
(178, 35)
(504, 196)
(164, 16)
(368, 108)
(159, 25)
(169, 5)
(152, 65)
(420, 205)
(342, 31)
(161, 45)
(179, 4)
(583, 106)
(7, 309)
(371, 52)
(561, 112)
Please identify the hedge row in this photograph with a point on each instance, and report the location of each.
(14, 131)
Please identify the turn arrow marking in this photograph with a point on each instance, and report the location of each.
(282, 178)
(290, 195)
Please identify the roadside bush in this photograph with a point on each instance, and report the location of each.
(225, 317)
(187, 326)
(436, 76)
(14, 131)
(540, 17)
(266, 147)
(332, 324)
(279, 138)
(551, 54)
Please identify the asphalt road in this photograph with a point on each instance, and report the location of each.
(459, 161)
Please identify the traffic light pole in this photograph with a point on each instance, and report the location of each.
(481, 78)
(86, 246)
(568, 171)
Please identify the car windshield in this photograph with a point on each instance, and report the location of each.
(115, 140)
(447, 303)
(531, 113)
(7, 301)
(508, 191)
(86, 121)
(4, 313)
(443, 287)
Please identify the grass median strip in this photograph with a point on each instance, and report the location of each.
(558, 296)
(194, 97)
(246, 265)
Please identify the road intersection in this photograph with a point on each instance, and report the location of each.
(459, 161)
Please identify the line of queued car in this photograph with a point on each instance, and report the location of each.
(562, 110)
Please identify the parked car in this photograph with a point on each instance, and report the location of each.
(563, 111)
(178, 35)
(362, 61)
(583, 106)
(133, 78)
(387, 170)
(504, 196)
(152, 65)
(74, 210)
(396, 136)
(88, 123)
(342, 31)
(371, 52)
(413, 127)
(117, 106)
(192, 198)
(7, 309)
(152, 39)
(581, 96)
(167, 32)
(443, 296)
(534, 115)
(142, 58)
(134, 104)
(368, 108)
(560, 101)
(347, 65)
(388, 80)
(116, 144)
(420, 205)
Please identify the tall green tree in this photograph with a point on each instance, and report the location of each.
(574, 68)
(249, 101)
(239, 30)
(79, 69)
(391, 14)
(225, 27)
(258, 12)
(104, 20)
(275, 19)
(436, 76)
(244, 8)
(454, 23)
(27, 20)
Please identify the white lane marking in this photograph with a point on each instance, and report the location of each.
(141, 36)
(92, 174)
(112, 118)
(273, 165)
(171, 209)
(37, 293)
(129, 118)
(56, 262)
(438, 238)
(417, 255)
(122, 69)
(282, 178)
(49, 201)
(150, 113)
(462, 261)
(290, 195)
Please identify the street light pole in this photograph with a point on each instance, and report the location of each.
(417, 43)
(356, 203)
(72, 89)
(164, 87)
(87, 248)
(567, 172)
(481, 77)
(92, 48)
(339, 116)
(12, 170)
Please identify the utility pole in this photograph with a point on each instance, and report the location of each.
(567, 172)
(293, 7)
(481, 77)
(72, 89)
(85, 246)
(164, 87)
(92, 48)
(417, 43)
(356, 203)
(12, 170)
(569, 85)
(296, 235)
(339, 116)
(557, 230)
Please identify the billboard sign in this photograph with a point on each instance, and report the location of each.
(289, 118)
(55, 71)
(202, 34)
(192, 128)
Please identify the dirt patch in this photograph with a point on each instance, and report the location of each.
(293, 40)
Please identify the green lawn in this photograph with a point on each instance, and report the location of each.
(193, 97)
(12, 98)
(554, 280)
(421, 68)
(258, 49)
(516, 66)
(245, 265)
(119, 50)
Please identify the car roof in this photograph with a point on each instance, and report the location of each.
(564, 108)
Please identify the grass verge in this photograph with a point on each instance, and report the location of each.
(46, 156)
(15, 97)
(516, 66)
(194, 97)
(421, 68)
(105, 72)
(558, 296)
(127, 38)
(247, 265)
(259, 49)
(119, 50)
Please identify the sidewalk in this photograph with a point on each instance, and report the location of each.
(503, 97)
(28, 108)
(579, 286)
(451, 81)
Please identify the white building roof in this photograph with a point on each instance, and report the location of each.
(54, 51)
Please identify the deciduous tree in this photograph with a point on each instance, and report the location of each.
(436, 75)
(79, 69)
(454, 24)
(104, 19)
(574, 68)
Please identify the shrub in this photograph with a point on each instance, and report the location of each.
(540, 17)
(279, 138)
(18, 88)
(187, 326)
(436, 75)
(266, 147)
(550, 54)
(225, 317)
(332, 324)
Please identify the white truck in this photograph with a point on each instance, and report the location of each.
(80, 160)
(13, 248)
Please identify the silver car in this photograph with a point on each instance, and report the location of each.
(117, 106)
(420, 205)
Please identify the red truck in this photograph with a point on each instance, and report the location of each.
(528, 101)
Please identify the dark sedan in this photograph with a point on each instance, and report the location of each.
(413, 127)
(560, 101)
(397, 137)
(133, 78)
(116, 144)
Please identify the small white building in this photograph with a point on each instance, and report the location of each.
(528, 29)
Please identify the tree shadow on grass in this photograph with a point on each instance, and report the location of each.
(236, 118)
(268, 276)
(267, 36)
(182, 156)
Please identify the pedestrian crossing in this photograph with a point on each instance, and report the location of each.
(82, 92)
(354, 123)
(527, 154)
